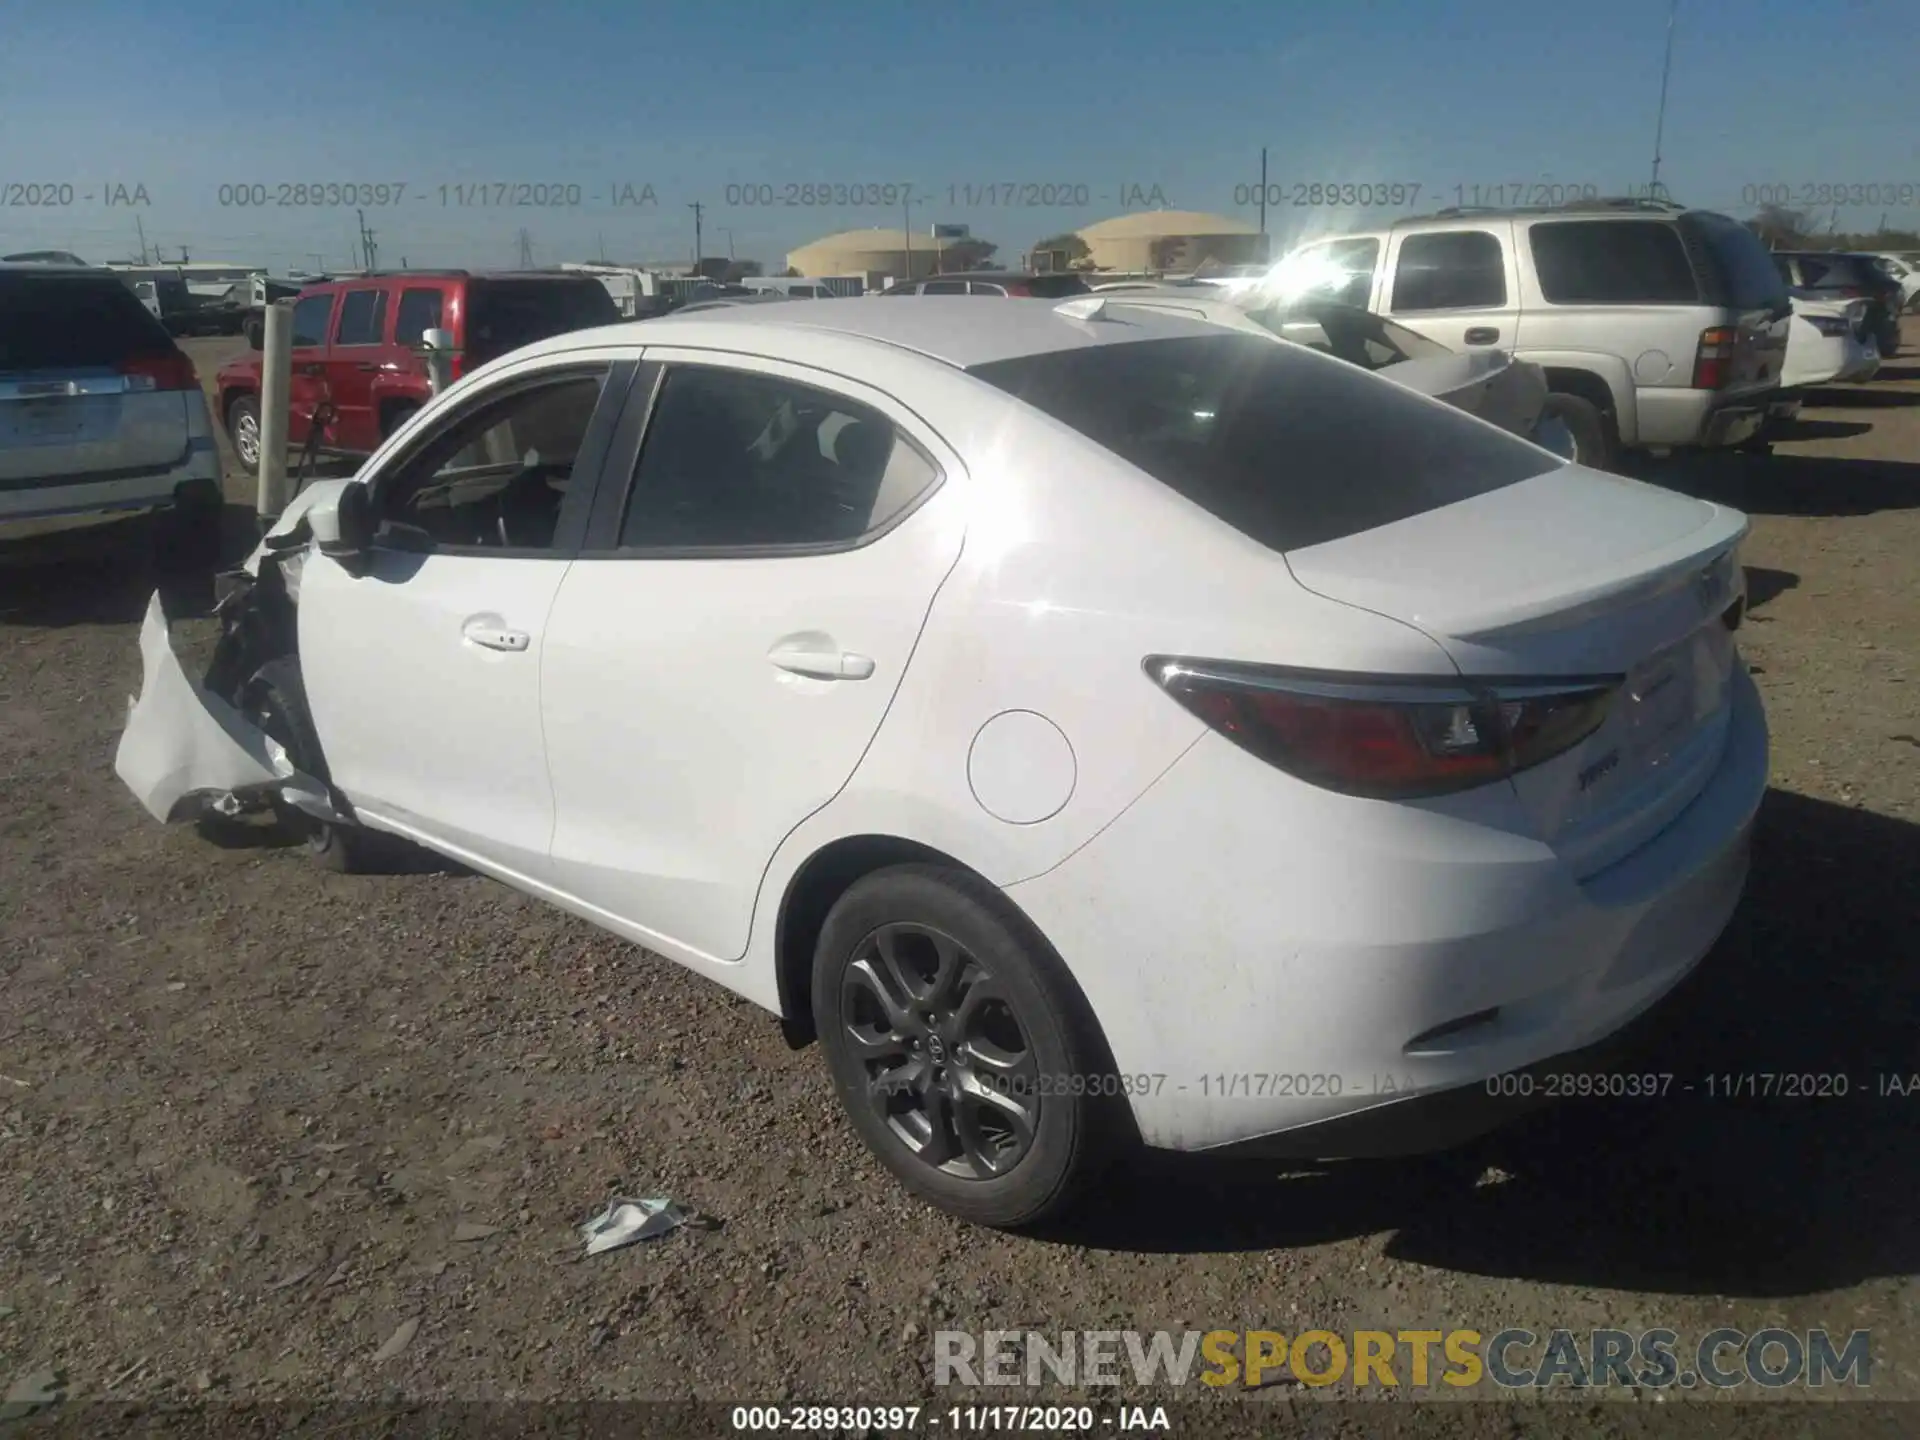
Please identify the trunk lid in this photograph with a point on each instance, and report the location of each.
(1567, 575)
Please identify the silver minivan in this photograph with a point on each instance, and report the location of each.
(101, 415)
(1659, 327)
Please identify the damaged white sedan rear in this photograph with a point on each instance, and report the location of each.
(1097, 726)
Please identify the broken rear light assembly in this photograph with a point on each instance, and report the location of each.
(1386, 739)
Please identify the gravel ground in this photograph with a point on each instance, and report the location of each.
(255, 1119)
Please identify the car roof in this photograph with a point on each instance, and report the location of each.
(53, 267)
(953, 330)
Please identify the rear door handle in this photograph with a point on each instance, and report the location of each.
(823, 664)
(1481, 335)
(495, 637)
(366, 365)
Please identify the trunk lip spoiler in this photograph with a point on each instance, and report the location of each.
(1697, 553)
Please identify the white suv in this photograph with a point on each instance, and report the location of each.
(1659, 327)
(100, 414)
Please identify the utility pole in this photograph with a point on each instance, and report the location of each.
(601, 240)
(143, 238)
(368, 249)
(1660, 122)
(319, 262)
(1263, 198)
(906, 235)
(698, 242)
(526, 249)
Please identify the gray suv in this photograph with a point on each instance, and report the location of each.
(101, 415)
(1659, 327)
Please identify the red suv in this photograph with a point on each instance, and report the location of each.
(355, 347)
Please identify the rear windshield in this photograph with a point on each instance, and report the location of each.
(58, 323)
(1612, 262)
(1743, 272)
(503, 315)
(1290, 448)
(1057, 287)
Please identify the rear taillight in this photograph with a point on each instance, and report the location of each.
(1386, 739)
(1711, 369)
(169, 371)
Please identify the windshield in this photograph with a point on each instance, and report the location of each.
(1281, 444)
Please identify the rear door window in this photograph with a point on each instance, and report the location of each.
(1612, 262)
(363, 316)
(733, 460)
(1289, 447)
(61, 323)
(944, 287)
(1450, 270)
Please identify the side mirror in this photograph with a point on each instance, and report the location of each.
(342, 524)
(436, 339)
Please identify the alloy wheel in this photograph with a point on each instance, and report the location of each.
(246, 440)
(950, 1070)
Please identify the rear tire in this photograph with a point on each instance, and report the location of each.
(275, 699)
(1593, 443)
(243, 428)
(929, 988)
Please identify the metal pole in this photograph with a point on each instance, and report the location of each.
(906, 231)
(437, 345)
(1660, 124)
(276, 389)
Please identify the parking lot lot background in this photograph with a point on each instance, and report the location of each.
(245, 1104)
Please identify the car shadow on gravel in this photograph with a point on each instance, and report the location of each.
(1861, 398)
(1694, 1191)
(104, 575)
(1809, 485)
(1797, 430)
(1764, 584)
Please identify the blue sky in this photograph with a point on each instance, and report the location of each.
(690, 99)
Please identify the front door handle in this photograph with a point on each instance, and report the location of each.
(1481, 335)
(823, 664)
(366, 365)
(496, 637)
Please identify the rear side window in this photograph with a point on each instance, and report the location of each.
(734, 460)
(503, 315)
(59, 323)
(420, 311)
(944, 287)
(1612, 262)
(363, 316)
(1289, 447)
(1057, 287)
(1743, 274)
(1450, 270)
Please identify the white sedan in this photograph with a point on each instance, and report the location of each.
(1098, 726)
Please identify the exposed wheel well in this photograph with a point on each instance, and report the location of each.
(392, 411)
(1587, 385)
(228, 397)
(810, 895)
